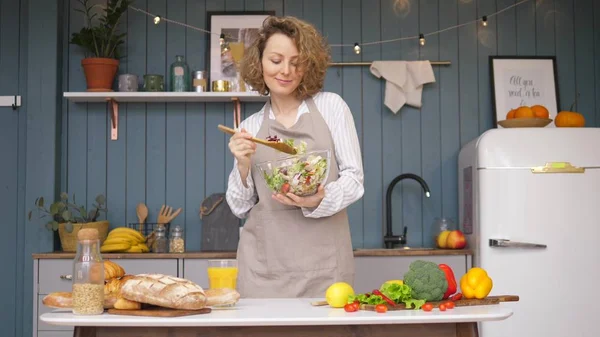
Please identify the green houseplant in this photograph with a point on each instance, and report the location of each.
(68, 218)
(101, 41)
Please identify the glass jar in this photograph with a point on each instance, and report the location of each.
(160, 244)
(88, 274)
(176, 241)
(179, 75)
(441, 227)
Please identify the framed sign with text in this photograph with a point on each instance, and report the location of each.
(523, 81)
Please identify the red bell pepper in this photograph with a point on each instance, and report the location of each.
(385, 298)
(450, 278)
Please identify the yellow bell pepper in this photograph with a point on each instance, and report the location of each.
(476, 283)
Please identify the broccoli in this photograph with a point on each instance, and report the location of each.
(427, 280)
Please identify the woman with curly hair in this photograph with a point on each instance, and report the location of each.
(293, 246)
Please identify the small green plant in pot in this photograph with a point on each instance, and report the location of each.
(101, 41)
(68, 218)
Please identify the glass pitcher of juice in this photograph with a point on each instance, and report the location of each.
(222, 274)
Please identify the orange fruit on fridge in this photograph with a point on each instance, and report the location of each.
(524, 112)
(511, 114)
(540, 111)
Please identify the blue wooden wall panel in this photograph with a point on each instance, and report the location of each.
(544, 28)
(487, 38)
(195, 125)
(372, 90)
(410, 144)
(467, 49)
(506, 23)
(449, 109)
(10, 127)
(430, 124)
(157, 63)
(391, 131)
(584, 58)
(597, 61)
(525, 27)
(565, 51)
(351, 89)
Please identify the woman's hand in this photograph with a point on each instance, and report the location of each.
(294, 200)
(242, 149)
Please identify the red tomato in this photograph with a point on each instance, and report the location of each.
(449, 305)
(356, 305)
(427, 307)
(350, 307)
(442, 307)
(285, 188)
(381, 308)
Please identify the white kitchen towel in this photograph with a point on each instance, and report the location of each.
(404, 81)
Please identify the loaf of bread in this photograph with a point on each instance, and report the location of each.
(164, 291)
(112, 270)
(113, 286)
(61, 300)
(221, 297)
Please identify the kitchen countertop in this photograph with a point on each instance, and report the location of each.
(284, 312)
(230, 255)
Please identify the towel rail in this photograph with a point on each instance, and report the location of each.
(433, 63)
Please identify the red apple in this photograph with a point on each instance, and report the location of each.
(456, 240)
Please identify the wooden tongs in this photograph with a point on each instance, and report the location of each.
(279, 146)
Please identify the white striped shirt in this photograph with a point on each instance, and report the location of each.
(339, 194)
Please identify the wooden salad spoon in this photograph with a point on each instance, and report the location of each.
(280, 146)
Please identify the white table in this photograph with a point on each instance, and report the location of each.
(285, 317)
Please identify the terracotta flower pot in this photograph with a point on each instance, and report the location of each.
(99, 73)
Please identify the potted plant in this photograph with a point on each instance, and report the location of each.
(100, 40)
(68, 218)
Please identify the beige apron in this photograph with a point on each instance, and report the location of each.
(281, 253)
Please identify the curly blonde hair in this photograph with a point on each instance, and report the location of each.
(313, 55)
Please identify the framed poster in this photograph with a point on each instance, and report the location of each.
(523, 81)
(240, 30)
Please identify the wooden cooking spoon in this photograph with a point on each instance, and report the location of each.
(280, 146)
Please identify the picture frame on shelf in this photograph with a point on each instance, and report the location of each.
(523, 81)
(240, 30)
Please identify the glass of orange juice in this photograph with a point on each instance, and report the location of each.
(222, 273)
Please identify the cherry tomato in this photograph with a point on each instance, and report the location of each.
(442, 307)
(285, 188)
(356, 306)
(427, 307)
(350, 307)
(449, 305)
(381, 308)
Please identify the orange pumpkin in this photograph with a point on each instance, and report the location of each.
(570, 119)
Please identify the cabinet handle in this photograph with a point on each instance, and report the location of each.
(66, 277)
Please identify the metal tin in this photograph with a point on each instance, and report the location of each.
(221, 86)
(199, 81)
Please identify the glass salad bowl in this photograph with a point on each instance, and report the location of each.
(299, 174)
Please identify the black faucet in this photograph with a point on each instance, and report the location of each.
(389, 239)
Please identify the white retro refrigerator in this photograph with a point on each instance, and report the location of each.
(529, 204)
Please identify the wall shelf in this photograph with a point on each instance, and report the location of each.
(160, 97)
(113, 98)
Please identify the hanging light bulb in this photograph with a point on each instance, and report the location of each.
(156, 20)
(356, 48)
(484, 21)
(422, 39)
(221, 39)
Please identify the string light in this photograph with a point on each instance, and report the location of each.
(356, 46)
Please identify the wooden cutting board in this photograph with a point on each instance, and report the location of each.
(158, 312)
(460, 303)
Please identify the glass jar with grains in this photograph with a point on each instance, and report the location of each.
(88, 274)
(176, 243)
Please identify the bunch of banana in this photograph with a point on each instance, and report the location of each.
(124, 240)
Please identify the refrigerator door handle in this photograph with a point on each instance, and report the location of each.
(502, 243)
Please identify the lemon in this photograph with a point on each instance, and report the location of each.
(337, 294)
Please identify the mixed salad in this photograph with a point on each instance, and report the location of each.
(300, 175)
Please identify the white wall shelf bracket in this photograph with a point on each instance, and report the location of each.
(10, 101)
